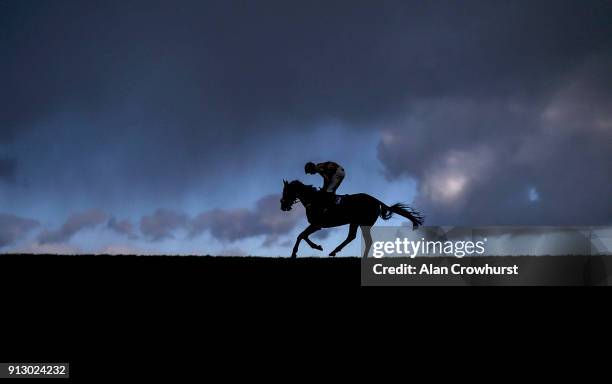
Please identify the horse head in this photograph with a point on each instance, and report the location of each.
(289, 196)
(291, 193)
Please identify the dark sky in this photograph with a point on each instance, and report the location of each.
(167, 126)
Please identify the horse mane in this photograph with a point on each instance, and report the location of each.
(304, 186)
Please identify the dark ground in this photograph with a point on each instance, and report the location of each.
(102, 313)
(157, 272)
(95, 311)
(62, 274)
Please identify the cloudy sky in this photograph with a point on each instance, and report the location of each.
(167, 126)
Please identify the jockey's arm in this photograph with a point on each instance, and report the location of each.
(326, 169)
(323, 170)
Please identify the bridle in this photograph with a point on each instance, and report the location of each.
(297, 198)
(292, 202)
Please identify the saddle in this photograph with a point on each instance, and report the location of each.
(330, 200)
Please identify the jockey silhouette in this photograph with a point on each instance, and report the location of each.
(332, 174)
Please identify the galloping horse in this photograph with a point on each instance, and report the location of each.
(358, 210)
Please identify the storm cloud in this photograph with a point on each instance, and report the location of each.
(14, 228)
(184, 116)
(170, 89)
(74, 224)
(122, 227)
(162, 224)
(8, 168)
(235, 224)
(228, 225)
(500, 161)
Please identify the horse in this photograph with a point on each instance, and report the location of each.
(357, 210)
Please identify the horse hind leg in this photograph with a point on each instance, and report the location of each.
(367, 238)
(351, 236)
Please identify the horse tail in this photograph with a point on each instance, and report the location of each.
(403, 210)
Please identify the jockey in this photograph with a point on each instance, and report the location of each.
(332, 174)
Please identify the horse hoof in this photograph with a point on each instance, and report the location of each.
(318, 247)
(293, 256)
(332, 254)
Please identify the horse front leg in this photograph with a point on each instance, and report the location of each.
(309, 231)
(304, 236)
(351, 236)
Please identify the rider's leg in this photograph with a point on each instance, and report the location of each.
(335, 181)
(330, 190)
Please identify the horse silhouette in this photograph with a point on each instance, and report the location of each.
(358, 210)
